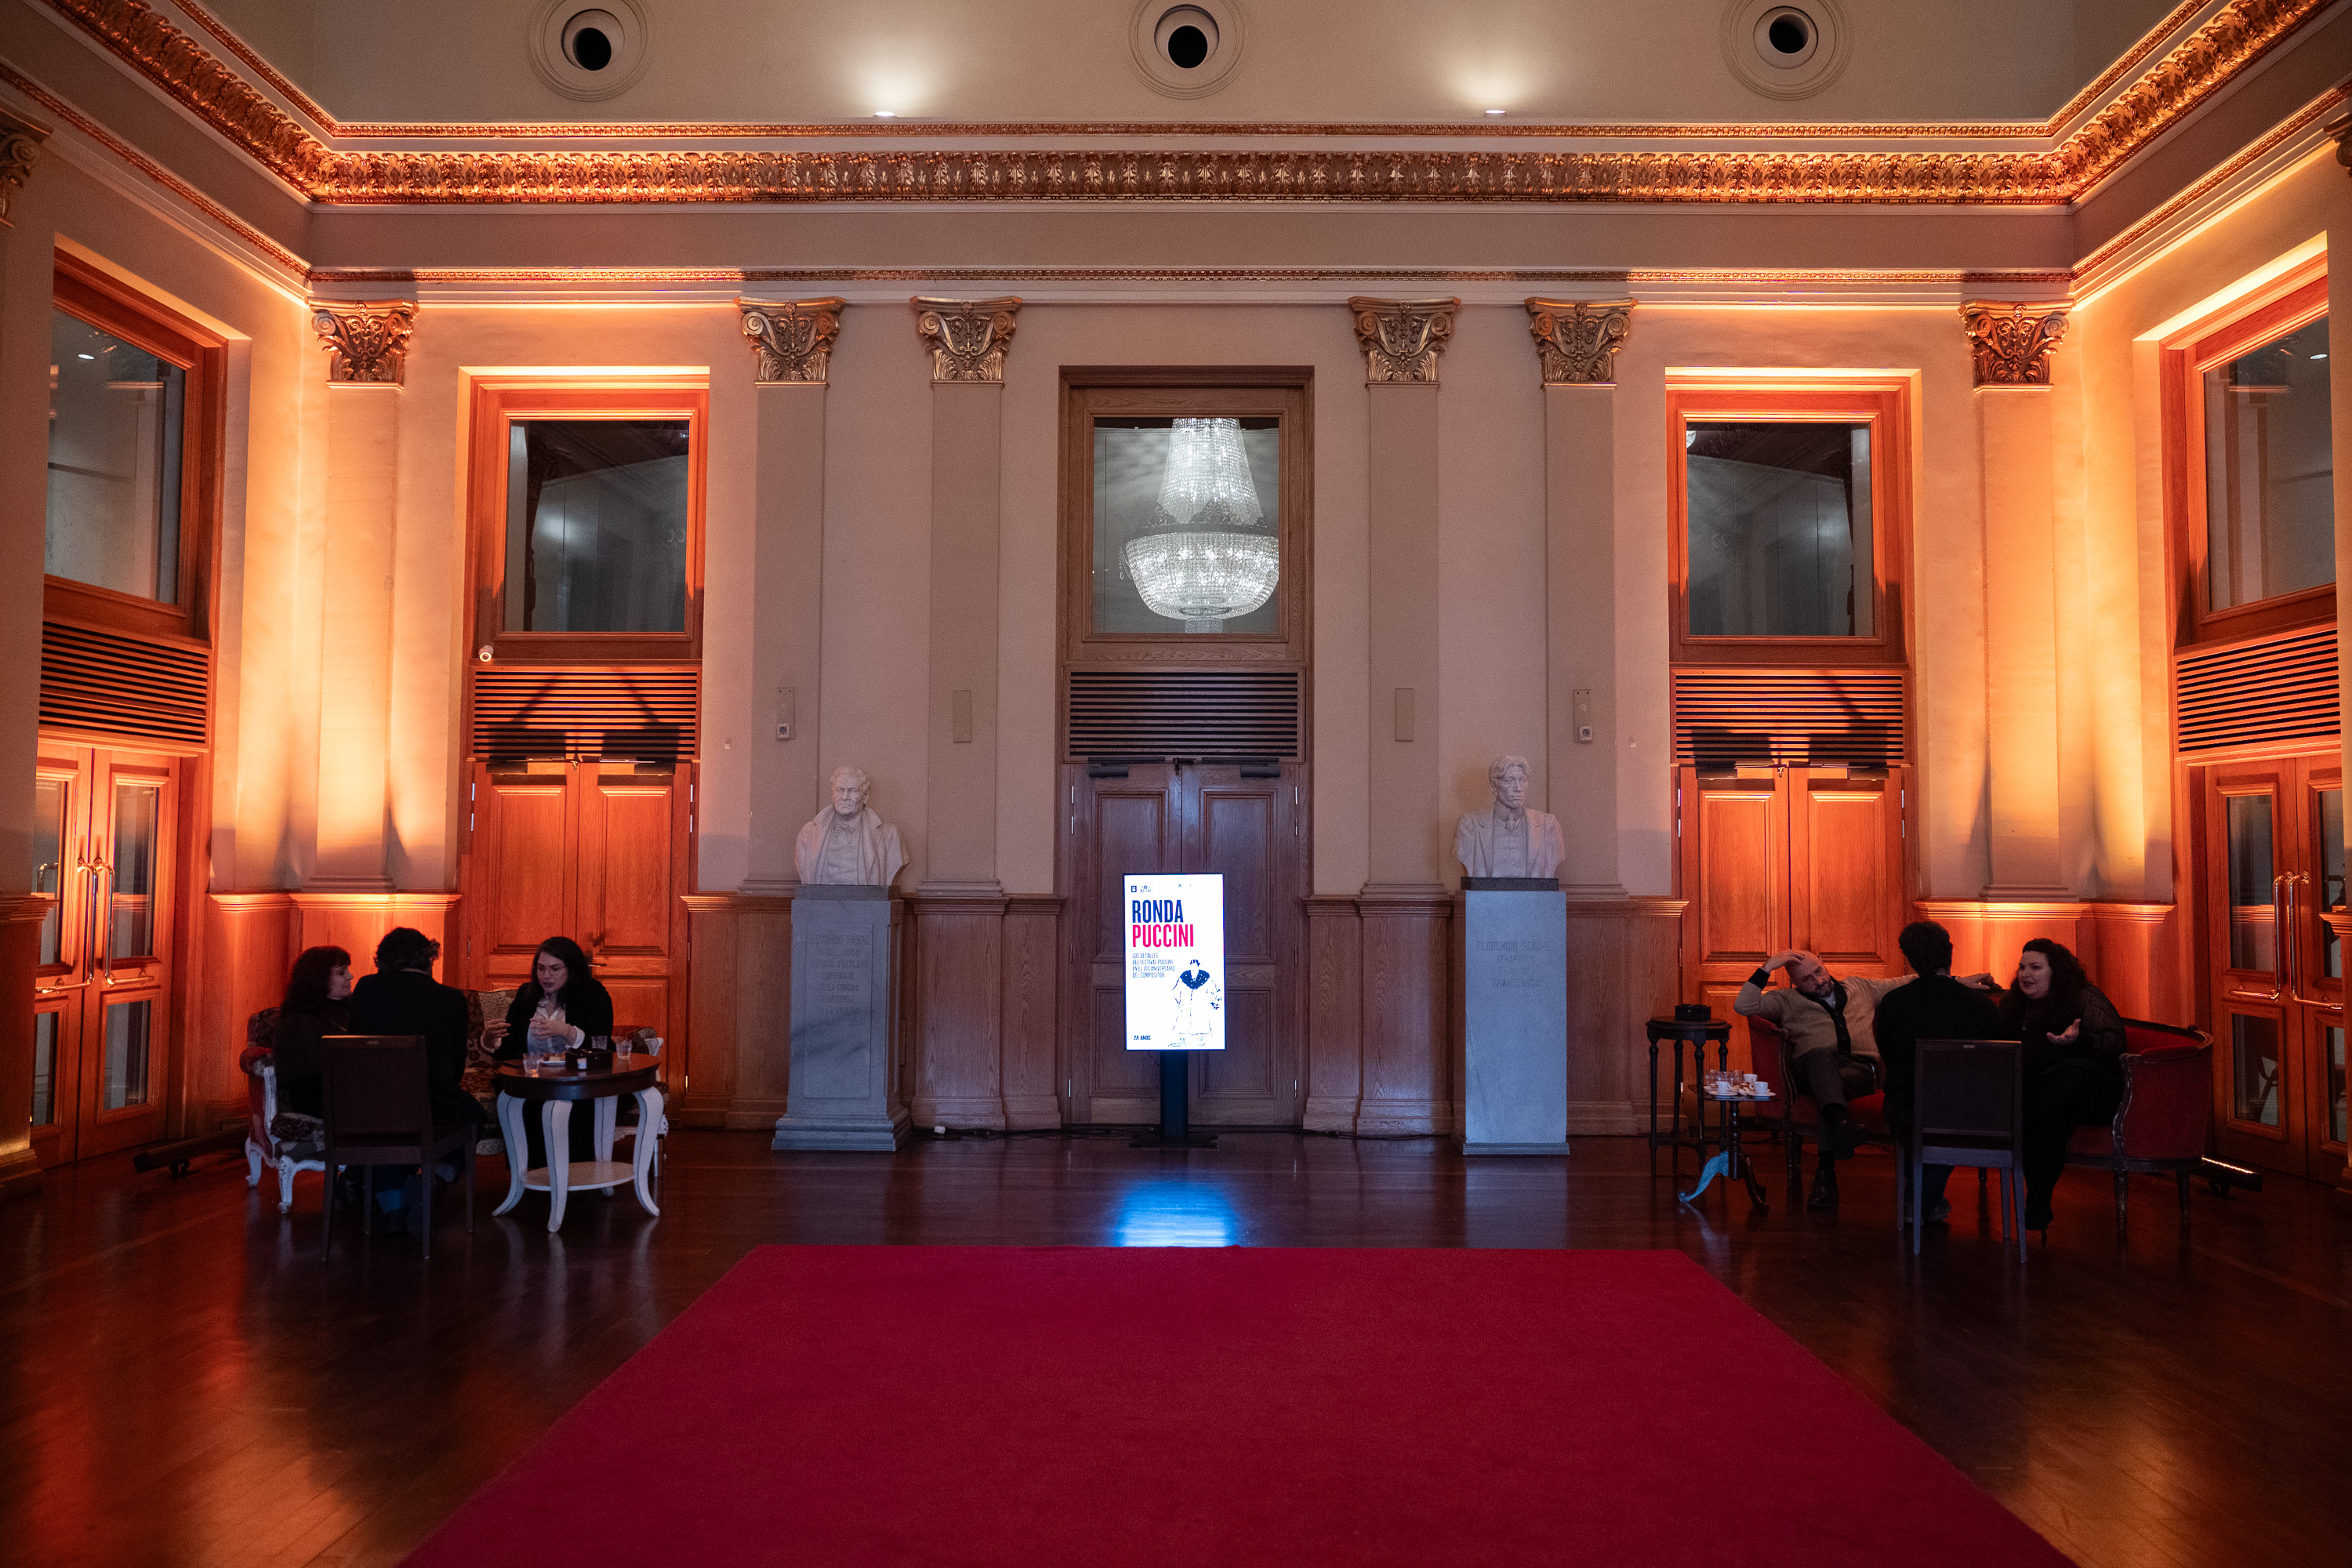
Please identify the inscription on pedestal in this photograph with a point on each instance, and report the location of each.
(841, 1094)
(1515, 1016)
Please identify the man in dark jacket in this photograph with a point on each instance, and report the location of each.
(1935, 1007)
(402, 998)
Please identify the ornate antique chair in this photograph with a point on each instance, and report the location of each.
(2167, 1111)
(291, 1154)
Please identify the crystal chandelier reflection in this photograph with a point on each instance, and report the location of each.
(1207, 554)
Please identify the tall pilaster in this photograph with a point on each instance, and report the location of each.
(2011, 345)
(1402, 340)
(26, 270)
(367, 349)
(960, 905)
(1576, 347)
(794, 342)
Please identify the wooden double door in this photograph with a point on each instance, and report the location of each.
(1164, 818)
(2271, 888)
(1775, 858)
(105, 847)
(600, 851)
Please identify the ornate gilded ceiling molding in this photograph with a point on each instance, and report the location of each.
(2011, 343)
(2180, 81)
(968, 337)
(1576, 340)
(794, 338)
(20, 149)
(367, 343)
(1402, 337)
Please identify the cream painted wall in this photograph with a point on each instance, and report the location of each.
(2121, 674)
(1050, 337)
(267, 633)
(1946, 611)
(1491, 602)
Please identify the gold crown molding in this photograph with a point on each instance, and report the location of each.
(2253, 153)
(20, 149)
(2130, 60)
(354, 276)
(367, 344)
(2341, 131)
(1402, 337)
(1576, 340)
(307, 107)
(2011, 344)
(288, 264)
(2183, 79)
(794, 338)
(968, 338)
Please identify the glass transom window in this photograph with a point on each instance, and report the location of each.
(2269, 471)
(1187, 524)
(116, 414)
(1779, 529)
(597, 515)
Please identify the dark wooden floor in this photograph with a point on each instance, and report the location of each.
(184, 1382)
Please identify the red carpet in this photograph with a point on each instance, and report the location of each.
(881, 1404)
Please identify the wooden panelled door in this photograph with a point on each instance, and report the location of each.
(597, 851)
(103, 849)
(1776, 858)
(2272, 869)
(1167, 817)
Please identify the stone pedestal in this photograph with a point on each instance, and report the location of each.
(842, 1093)
(1515, 1015)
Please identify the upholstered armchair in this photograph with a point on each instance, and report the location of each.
(2166, 1112)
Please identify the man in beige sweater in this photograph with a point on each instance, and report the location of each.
(1831, 1052)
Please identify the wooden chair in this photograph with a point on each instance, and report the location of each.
(1969, 1108)
(379, 1104)
(2164, 1120)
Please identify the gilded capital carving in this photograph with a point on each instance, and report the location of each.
(2011, 343)
(1576, 340)
(794, 338)
(1402, 338)
(365, 343)
(2342, 130)
(20, 149)
(968, 337)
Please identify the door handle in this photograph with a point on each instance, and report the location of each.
(102, 913)
(2282, 935)
(2295, 882)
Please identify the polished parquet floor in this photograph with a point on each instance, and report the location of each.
(184, 1382)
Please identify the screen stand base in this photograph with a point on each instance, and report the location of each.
(1174, 1132)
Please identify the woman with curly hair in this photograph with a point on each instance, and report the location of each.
(2074, 1051)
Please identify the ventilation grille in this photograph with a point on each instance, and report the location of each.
(1795, 718)
(125, 688)
(1184, 713)
(526, 713)
(2261, 693)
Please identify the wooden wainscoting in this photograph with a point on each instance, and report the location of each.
(1335, 1013)
(1624, 968)
(21, 918)
(2129, 949)
(733, 1068)
(249, 947)
(1034, 1096)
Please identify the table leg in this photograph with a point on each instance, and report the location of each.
(649, 1110)
(555, 1120)
(1675, 1123)
(1745, 1167)
(510, 1128)
(608, 1117)
(1653, 1108)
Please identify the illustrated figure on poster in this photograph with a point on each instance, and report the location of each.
(849, 845)
(1507, 839)
(1196, 998)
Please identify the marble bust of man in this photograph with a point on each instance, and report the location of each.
(848, 845)
(1507, 839)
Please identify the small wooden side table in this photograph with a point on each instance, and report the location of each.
(1697, 1032)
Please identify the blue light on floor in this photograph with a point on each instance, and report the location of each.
(1175, 1214)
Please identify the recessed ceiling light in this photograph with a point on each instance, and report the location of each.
(94, 356)
(1495, 111)
(2315, 357)
(885, 114)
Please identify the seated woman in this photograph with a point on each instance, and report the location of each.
(2073, 1049)
(316, 990)
(561, 1006)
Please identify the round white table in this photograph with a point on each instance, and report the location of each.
(555, 1090)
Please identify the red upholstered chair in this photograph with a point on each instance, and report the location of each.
(1799, 1117)
(2166, 1112)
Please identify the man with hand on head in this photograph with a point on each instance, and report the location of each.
(1833, 1051)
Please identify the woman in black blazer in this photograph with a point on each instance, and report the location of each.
(568, 1006)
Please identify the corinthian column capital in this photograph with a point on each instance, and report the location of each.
(968, 338)
(2342, 130)
(1402, 337)
(794, 338)
(20, 149)
(1576, 340)
(365, 343)
(2011, 343)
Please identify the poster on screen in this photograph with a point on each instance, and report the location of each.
(1176, 964)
